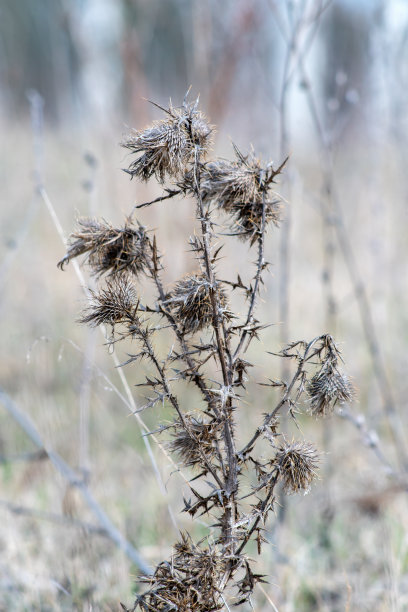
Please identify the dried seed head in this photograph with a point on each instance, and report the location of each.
(326, 388)
(191, 441)
(116, 303)
(169, 144)
(109, 249)
(297, 464)
(188, 582)
(241, 188)
(190, 302)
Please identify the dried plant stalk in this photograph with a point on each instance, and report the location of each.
(199, 576)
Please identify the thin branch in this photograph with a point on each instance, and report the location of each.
(52, 517)
(170, 194)
(74, 480)
(258, 276)
(357, 282)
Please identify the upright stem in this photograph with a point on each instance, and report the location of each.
(258, 275)
(231, 480)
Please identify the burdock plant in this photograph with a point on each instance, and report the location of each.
(203, 576)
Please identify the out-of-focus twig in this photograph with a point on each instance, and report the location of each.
(369, 437)
(72, 478)
(52, 517)
(356, 278)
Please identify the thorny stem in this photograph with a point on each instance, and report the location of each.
(170, 194)
(231, 481)
(259, 517)
(270, 416)
(175, 404)
(258, 275)
(195, 375)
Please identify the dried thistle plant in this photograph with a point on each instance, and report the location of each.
(203, 576)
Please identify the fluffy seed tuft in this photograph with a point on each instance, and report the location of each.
(169, 144)
(109, 250)
(116, 303)
(190, 302)
(327, 388)
(239, 188)
(297, 464)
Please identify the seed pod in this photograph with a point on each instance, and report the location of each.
(194, 440)
(169, 144)
(108, 249)
(190, 303)
(242, 189)
(116, 303)
(326, 388)
(297, 464)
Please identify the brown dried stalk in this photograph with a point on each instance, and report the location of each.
(199, 576)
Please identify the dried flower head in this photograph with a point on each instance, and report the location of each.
(109, 249)
(297, 464)
(242, 188)
(327, 388)
(169, 144)
(190, 302)
(116, 303)
(192, 439)
(188, 582)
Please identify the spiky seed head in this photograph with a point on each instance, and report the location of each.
(296, 463)
(189, 581)
(164, 149)
(116, 303)
(168, 145)
(190, 302)
(201, 131)
(191, 441)
(327, 388)
(108, 249)
(241, 188)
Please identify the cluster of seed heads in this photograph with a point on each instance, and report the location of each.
(172, 149)
(188, 582)
(242, 189)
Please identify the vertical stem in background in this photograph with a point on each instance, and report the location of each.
(357, 282)
(284, 246)
(85, 403)
(89, 355)
(284, 250)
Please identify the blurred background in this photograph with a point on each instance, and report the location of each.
(324, 82)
